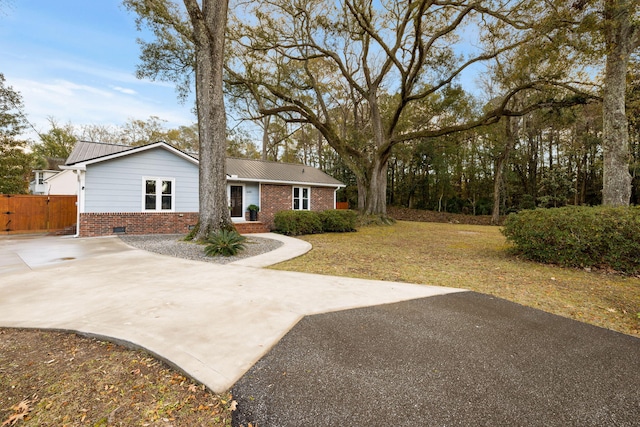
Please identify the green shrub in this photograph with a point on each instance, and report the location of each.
(295, 223)
(338, 221)
(573, 236)
(224, 242)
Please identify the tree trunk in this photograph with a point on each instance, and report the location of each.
(497, 187)
(376, 199)
(619, 38)
(266, 121)
(376, 202)
(362, 192)
(512, 130)
(209, 25)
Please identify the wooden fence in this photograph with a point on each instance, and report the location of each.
(33, 214)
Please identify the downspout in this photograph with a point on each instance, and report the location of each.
(78, 196)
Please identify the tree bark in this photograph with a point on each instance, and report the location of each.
(376, 191)
(266, 121)
(209, 25)
(510, 140)
(620, 42)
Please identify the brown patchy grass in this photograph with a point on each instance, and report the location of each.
(62, 379)
(476, 258)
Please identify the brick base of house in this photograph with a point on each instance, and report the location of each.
(107, 224)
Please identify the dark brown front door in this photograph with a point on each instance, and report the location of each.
(236, 201)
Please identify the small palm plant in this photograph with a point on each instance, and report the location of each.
(224, 242)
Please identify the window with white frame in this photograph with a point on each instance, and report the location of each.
(301, 198)
(159, 194)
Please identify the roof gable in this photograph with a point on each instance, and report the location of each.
(57, 175)
(86, 150)
(87, 153)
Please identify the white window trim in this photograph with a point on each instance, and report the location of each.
(293, 201)
(158, 195)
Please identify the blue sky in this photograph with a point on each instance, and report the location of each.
(75, 61)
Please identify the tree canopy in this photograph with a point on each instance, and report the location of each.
(371, 75)
(15, 161)
(56, 143)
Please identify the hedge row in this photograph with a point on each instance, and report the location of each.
(295, 223)
(573, 236)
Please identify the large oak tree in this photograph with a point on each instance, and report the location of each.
(606, 33)
(355, 69)
(192, 38)
(622, 38)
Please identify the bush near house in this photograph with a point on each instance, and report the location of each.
(338, 221)
(296, 223)
(578, 236)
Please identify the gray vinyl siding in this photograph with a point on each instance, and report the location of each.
(252, 194)
(116, 185)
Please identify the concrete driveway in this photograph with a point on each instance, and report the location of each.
(211, 321)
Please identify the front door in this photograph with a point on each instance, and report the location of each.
(236, 201)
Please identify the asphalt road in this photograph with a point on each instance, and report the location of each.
(462, 359)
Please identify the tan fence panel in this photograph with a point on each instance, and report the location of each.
(28, 213)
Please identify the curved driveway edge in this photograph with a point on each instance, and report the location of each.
(290, 249)
(211, 321)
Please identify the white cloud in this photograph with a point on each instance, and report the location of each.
(81, 104)
(124, 90)
(61, 88)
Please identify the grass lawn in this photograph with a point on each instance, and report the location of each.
(474, 257)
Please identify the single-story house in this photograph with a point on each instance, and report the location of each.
(154, 189)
